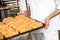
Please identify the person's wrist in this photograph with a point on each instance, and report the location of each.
(47, 18)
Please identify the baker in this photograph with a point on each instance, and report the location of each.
(46, 11)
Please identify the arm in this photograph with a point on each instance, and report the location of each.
(55, 13)
(27, 12)
(28, 9)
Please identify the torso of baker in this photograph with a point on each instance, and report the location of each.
(40, 9)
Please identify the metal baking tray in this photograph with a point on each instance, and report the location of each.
(24, 32)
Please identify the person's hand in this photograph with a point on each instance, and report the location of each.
(46, 23)
(22, 13)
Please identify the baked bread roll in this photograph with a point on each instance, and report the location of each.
(32, 23)
(1, 37)
(8, 30)
(1, 24)
(25, 29)
(18, 26)
(18, 17)
(36, 25)
(7, 20)
(10, 33)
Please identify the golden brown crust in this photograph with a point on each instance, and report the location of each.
(8, 31)
(36, 25)
(7, 20)
(19, 23)
(1, 36)
(22, 23)
(25, 29)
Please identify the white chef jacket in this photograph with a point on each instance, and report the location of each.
(22, 5)
(40, 9)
